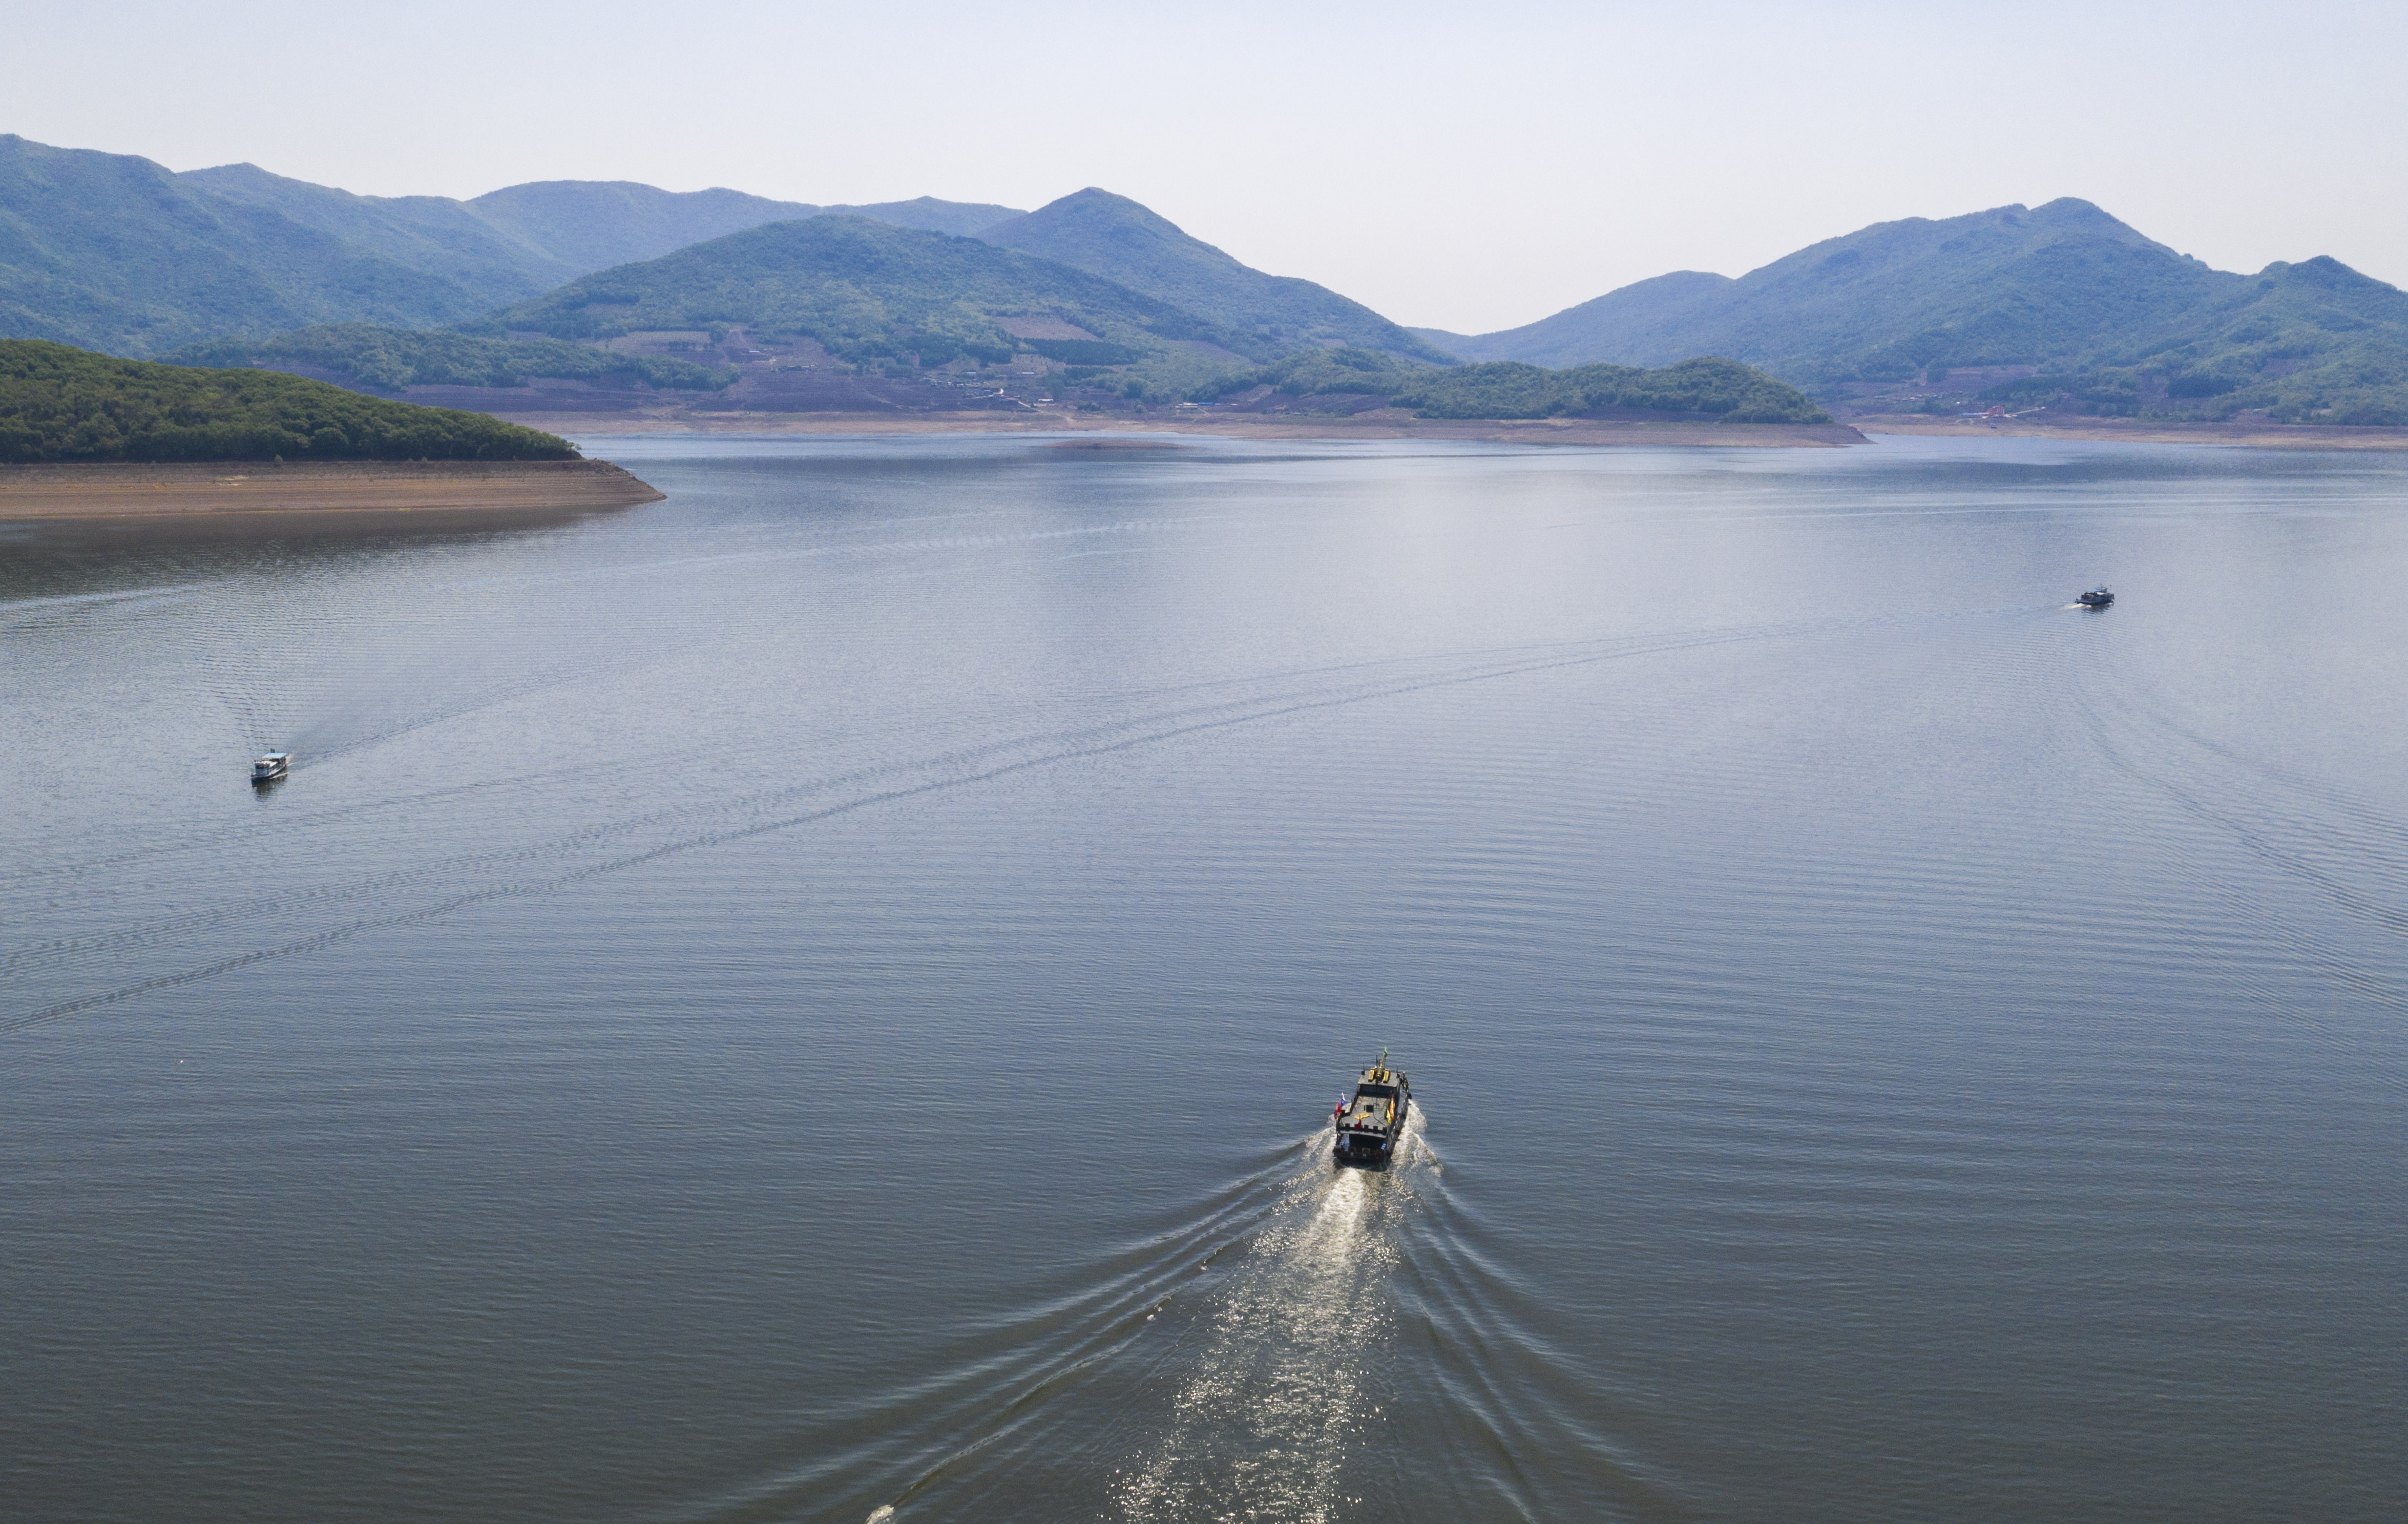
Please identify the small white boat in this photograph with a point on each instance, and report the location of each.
(270, 767)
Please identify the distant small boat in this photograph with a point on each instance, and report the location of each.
(270, 767)
(2098, 597)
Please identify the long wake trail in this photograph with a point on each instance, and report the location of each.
(1285, 1385)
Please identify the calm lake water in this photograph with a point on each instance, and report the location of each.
(823, 994)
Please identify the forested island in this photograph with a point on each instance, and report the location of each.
(1722, 391)
(62, 404)
(84, 438)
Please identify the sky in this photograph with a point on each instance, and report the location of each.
(1456, 167)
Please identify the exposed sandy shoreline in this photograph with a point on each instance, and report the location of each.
(1383, 424)
(422, 494)
(2249, 435)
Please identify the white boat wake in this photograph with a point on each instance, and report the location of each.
(1288, 1376)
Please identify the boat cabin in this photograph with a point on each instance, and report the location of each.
(270, 767)
(1368, 1125)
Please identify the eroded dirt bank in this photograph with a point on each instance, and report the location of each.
(415, 492)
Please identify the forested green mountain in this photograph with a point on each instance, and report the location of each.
(584, 226)
(523, 240)
(1117, 238)
(2006, 286)
(113, 253)
(431, 234)
(2310, 342)
(868, 290)
(2114, 322)
(1720, 389)
(588, 226)
(962, 219)
(116, 254)
(1570, 336)
(392, 359)
(64, 404)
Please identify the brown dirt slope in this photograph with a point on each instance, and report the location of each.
(465, 492)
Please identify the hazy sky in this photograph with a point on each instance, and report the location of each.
(1460, 166)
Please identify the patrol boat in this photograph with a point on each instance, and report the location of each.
(270, 767)
(2098, 597)
(1368, 1126)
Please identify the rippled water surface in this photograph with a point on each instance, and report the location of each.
(821, 996)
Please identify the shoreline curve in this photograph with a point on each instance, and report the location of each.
(410, 493)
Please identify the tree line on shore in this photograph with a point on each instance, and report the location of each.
(63, 404)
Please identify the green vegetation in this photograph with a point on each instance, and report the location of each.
(1115, 237)
(1172, 375)
(64, 404)
(116, 254)
(2008, 286)
(1723, 389)
(433, 234)
(1730, 392)
(866, 290)
(588, 225)
(2314, 342)
(1084, 352)
(1322, 372)
(2116, 323)
(392, 359)
(961, 219)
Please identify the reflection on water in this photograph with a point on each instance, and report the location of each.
(807, 999)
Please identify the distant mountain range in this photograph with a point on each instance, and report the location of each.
(868, 291)
(2110, 320)
(117, 253)
(1115, 237)
(2001, 286)
(594, 225)
(1093, 278)
(2060, 304)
